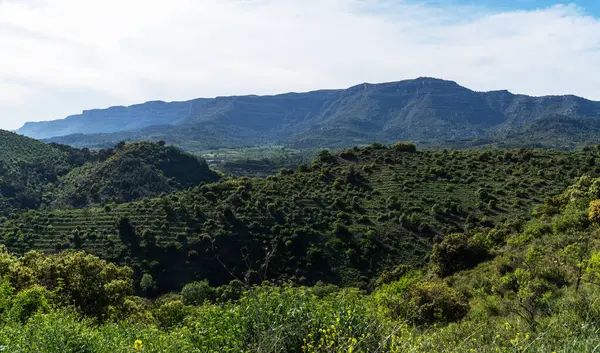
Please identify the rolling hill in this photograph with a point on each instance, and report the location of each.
(342, 219)
(37, 175)
(423, 110)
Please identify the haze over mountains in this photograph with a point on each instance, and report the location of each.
(423, 109)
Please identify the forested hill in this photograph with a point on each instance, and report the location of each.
(423, 109)
(342, 219)
(36, 175)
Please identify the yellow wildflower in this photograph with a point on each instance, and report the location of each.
(138, 345)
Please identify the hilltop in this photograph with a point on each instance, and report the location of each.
(132, 171)
(36, 175)
(27, 166)
(423, 109)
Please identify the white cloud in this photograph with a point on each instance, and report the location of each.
(127, 51)
(13, 94)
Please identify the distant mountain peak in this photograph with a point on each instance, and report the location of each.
(423, 109)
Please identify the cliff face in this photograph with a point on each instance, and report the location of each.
(109, 120)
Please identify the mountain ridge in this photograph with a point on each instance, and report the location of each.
(422, 109)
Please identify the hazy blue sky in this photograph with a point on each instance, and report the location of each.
(59, 57)
(590, 6)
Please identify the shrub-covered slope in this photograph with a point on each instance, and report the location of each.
(27, 166)
(36, 175)
(132, 172)
(516, 287)
(343, 219)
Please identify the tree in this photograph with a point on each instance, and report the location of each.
(233, 291)
(325, 157)
(29, 302)
(456, 252)
(530, 287)
(147, 284)
(576, 256)
(89, 283)
(594, 212)
(405, 147)
(196, 293)
(437, 302)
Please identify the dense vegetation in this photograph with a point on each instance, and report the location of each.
(141, 247)
(553, 131)
(343, 219)
(132, 172)
(35, 175)
(256, 161)
(27, 166)
(515, 287)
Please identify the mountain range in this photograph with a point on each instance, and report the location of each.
(422, 110)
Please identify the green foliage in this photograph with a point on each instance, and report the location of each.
(147, 284)
(232, 291)
(28, 302)
(457, 252)
(539, 292)
(592, 269)
(34, 175)
(327, 223)
(171, 313)
(92, 285)
(132, 172)
(380, 250)
(436, 302)
(196, 293)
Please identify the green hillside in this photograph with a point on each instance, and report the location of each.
(35, 175)
(132, 172)
(27, 166)
(16, 149)
(552, 131)
(515, 287)
(342, 219)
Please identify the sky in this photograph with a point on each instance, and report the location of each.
(59, 57)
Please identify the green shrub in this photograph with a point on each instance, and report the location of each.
(436, 302)
(28, 302)
(405, 147)
(456, 252)
(6, 298)
(391, 276)
(171, 314)
(147, 284)
(196, 293)
(232, 291)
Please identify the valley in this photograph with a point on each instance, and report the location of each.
(188, 226)
(376, 243)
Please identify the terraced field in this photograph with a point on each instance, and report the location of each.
(342, 218)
